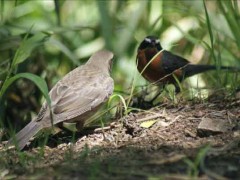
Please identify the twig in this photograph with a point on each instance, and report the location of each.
(150, 117)
(112, 125)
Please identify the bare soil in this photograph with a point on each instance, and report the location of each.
(171, 148)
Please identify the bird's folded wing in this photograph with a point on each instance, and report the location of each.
(72, 101)
(171, 62)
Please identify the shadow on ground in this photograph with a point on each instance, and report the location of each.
(170, 148)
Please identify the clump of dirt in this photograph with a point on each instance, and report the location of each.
(162, 142)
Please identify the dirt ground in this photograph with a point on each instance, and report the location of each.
(171, 148)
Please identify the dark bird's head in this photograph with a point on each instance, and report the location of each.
(150, 42)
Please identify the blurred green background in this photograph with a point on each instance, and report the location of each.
(49, 38)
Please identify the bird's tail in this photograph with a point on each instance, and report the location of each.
(192, 69)
(22, 137)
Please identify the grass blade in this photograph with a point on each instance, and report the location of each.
(38, 81)
(27, 46)
(106, 25)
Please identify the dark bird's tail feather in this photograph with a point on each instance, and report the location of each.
(22, 137)
(192, 69)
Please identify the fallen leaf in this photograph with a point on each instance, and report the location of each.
(148, 124)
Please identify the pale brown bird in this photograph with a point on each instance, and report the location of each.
(74, 98)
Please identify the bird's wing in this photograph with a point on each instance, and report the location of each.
(172, 62)
(72, 101)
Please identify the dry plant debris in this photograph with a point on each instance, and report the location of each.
(131, 151)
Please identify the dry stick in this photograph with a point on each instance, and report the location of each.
(150, 117)
(107, 127)
(175, 119)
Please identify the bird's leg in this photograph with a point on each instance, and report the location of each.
(79, 125)
(177, 90)
(161, 88)
(156, 96)
(139, 100)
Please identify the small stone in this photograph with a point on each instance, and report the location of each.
(208, 127)
(199, 114)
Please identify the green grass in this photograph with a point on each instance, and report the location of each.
(194, 166)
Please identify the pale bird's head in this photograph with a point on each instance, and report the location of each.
(102, 60)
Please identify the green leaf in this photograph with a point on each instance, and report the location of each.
(148, 124)
(125, 37)
(64, 49)
(40, 83)
(210, 31)
(208, 24)
(231, 14)
(122, 100)
(106, 23)
(27, 46)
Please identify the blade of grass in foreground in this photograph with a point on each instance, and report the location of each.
(41, 84)
(209, 30)
(27, 46)
(231, 14)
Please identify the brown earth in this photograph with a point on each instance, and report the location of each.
(172, 148)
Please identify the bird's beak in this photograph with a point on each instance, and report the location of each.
(110, 65)
(153, 43)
